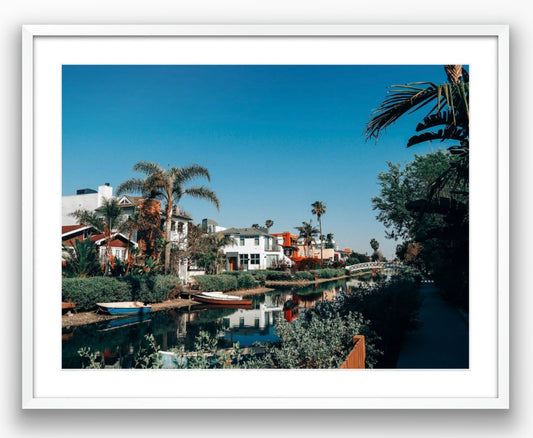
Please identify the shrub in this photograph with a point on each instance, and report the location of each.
(328, 272)
(393, 309)
(168, 286)
(322, 339)
(86, 292)
(141, 287)
(260, 277)
(303, 275)
(210, 283)
(246, 281)
(278, 276)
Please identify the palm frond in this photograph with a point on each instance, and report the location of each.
(148, 168)
(133, 185)
(448, 133)
(191, 172)
(203, 193)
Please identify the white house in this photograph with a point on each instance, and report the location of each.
(84, 199)
(251, 250)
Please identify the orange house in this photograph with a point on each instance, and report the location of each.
(289, 242)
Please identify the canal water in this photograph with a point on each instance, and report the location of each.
(118, 340)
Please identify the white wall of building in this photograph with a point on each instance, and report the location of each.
(256, 246)
(89, 201)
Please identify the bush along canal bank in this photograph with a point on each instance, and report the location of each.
(290, 327)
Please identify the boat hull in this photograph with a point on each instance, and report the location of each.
(126, 308)
(223, 302)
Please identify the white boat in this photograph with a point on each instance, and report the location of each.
(221, 298)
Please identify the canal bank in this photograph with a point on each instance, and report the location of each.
(72, 319)
(442, 339)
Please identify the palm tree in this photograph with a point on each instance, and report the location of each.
(81, 259)
(108, 220)
(268, 224)
(319, 208)
(329, 240)
(307, 232)
(449, 109)
(168, 186)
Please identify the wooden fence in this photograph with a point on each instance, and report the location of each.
(356, 358)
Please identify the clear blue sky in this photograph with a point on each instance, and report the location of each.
(275, 138)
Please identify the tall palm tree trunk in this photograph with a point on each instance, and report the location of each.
(321, 243)
(168, 232)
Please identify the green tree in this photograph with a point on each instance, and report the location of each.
(169, 187)
(449, 111)
(81, 259)
(319, 209)
(205, 249)
(268, 224)
(308, 233)
(329, 241)
(108, 220)
(438, 218)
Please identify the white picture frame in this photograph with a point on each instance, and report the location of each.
(46, 47)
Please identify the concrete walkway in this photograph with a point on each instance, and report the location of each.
(442, 341)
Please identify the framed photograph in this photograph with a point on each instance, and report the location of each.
(254, 200)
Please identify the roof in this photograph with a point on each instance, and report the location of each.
(126, 201)
(69, 229)
(244, 232)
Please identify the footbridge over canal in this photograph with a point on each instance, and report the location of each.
(391, 267)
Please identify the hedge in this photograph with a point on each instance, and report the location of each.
(245, 279)
(153, 289)
(278, 276)
(328, 272)
(86, 292)
(303, 275)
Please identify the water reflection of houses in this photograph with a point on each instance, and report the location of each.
(257, 320)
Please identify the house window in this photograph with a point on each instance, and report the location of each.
(241, 239)
(118, 253)
(243, 260)
(267, 244)
(180, 227)
(254, 259)
(172, 226)
(256, 240)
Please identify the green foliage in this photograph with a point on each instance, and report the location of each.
(147, 356)
(90, 359)
(322, 339)
(392, 307)
(303, 275)
(85, 292)
(211, 283)
(355, 258)
(439, 228)
(328, 272)
(245, 279)
(260, 276)
(81, 259)
(278, 276)
(167, 287)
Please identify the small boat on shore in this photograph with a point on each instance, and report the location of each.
(221, 299)
(124, 308)
(66, 306)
